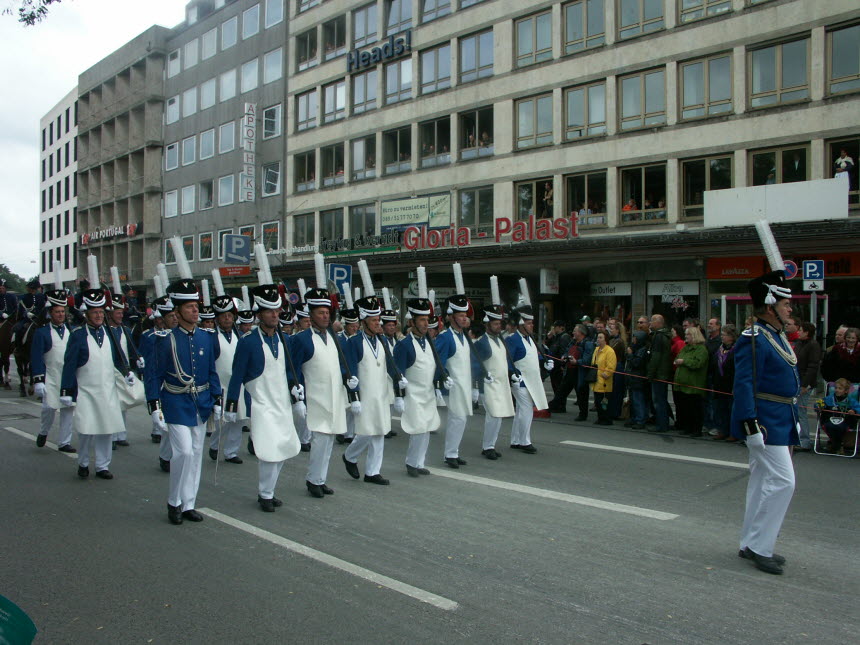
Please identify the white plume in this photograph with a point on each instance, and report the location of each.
(162, 274)
(386, 298)
(159, 288)
(494, 291)
(356, 293)
(524, 292)
(365, 278)
(93, 271)
(459, 287)
(431, 296)
(319, 268)
(181, 261)
(261, 277)
(246, 300)
(116, 287)
(263, 263)
(347, 295)
(58, 280)
(219, 285)
(302, 288)
(771, 250)
(422, 282)
(204, 288)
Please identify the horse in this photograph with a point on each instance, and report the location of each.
(6, 329)
(21, 352)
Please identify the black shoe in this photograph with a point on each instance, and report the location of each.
(340, 438)
(529, 449)
(278, 503)
(113, 445)
(41, 439)
(104, 474)
(556, 408)
(66, 448)
(423, 471)
(326, 490)
(155, 438)
(306, 447)
(267, 505)
(515, 446)
(246, 429)
(251, 447)
(123, 443)
(390, 433)
(165, 465)
(462, 462)
(489, 453)
(746, 553)
(234, 460)
(213, 454)
(314, 490)
(768, 565)
(351, 468)
(83, 472)
(208, 434)
(376, 479)
(452, 462)
(412, 471)
(174, 514)
(192, 516)
(581, 418)
(498, 454)
(348, 439)
(638, 426)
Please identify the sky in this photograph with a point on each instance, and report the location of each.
(40, 66)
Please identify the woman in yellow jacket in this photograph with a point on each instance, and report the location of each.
(604, 361)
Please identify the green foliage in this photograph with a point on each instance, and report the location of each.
(15, 283)
(31, 12)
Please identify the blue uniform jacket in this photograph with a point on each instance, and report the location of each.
(774, 375)
(196, 354)
(249, 362)
(354, 350)
(8, 304)
(42, 345)
(484, 351)
(446, 348)
(77, 355)
(404, 352)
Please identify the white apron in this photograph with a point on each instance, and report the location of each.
(129, 396)
(529, 367)
(273, 432)
(54, 368)
(224, 367)
(497, 395)
(375, 417)
(420, 414)
(97, 410)
(459, 367)
(324, 390)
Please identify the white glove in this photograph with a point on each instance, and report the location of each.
(516, 379)
(300, 409)
(129, 379)
(476, 394)
(67, 401)
(158, 420)
(440, 400)
(399, 405)
(355, 406)
(755, 440)
(298, 392)
(489, 378)
(141, 364)
(549, 365)
(352, 382)
(217, 411)
(4, 315)
(230, 417)
(448, 383)
(39, 389)
(402, 383)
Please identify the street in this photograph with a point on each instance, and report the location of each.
(606, 535)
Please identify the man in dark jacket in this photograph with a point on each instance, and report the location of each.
(659, 371)
(557, 341)
(579, 353)
(635, 366)
(808, 359)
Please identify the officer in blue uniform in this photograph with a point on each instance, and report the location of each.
(164, 319)
(8, 302)
(32, 302)
(765, 414)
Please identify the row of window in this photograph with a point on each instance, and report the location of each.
(53, 194)
(48, 167)
(202, 196)
(53, 226)
(48, 133)
(223, 88)
(66, 254)
(202, 246)
(207, 45)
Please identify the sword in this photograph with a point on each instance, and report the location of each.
(390, 359)
(289, 363)
(342, 357)
(131, 347)
(438, 360)
(220, 439)
(474, 352)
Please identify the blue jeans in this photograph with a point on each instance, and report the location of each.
(710, 410)
(803, 400)
(638, 406)
(659, 395)
(723, 413)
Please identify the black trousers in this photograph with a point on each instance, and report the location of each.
(690, 412)
(565, 387)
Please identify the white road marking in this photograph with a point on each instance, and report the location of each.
(661, 455)
(561, 497)
(8, 402)
(48, 444)
(337, 563)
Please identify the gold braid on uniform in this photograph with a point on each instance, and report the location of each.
(789, 355)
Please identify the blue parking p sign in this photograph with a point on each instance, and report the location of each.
(237, 249)
(340, 274)
(813, 269)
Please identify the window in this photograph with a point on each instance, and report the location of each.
(171, 156)
(228, 85)
(226, 133)
(68, 157)
(476, 209)
(585, 111)
(639, 17)
(189, 148)
(534, 197)
(66, 223)
(204, 245)
(583, 25)
(303, 231)
(173, 64)
(207, 94)
(306, 110)
(250, 75)
(274, 12)
(332, 165)
(397, 150)
(44, 175)
(208, 44)
(476, 56)
(534, 121)
(273, 65)
(468, 3)
(698, 9)
(334, 101)
(364, 26)
(432, 9)
(699, 175)
(171, 114)
(364, 158)
(272, 122)
(171, 204)
(334, 38)
(229, 31)
(331, 225)
(304, 5)
(435, 142)
(188, 197)
(249, 231)
(66, 185)
(306, 171)
(779, 165)
(534, 39)
(189, 102)
(840, 152)
(66, 257)
(271, 179)
(398, 81)
(192, 50)
(44, 238)
(706, 87)
(306, 49)
(207, 144)
(398, 16)
(251, 22)
(271, 233)
(225, 190)
(778, 74)
(643, 193)
(221, 235)
(843, 60)
(436, 69)
(643, 99)
(207, 194)
(364, 92)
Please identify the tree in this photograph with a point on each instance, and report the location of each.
(14, 282)
(31, 11)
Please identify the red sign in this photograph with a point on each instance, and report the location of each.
(747, 267)
(234, 271)
(415, 237)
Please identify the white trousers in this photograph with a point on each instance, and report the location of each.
(232, 438)
(454, 430)
(769, 492)
(185, 464)
(374, 444)
(492, 425)
(320, 455)
(122, 436)
(269, 472)
(417, 450)
(521, 429)
(66, 417)
(103, 450)
(350, 425)
(302, 429)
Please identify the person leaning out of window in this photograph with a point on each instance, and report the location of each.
(691, 374)
(604, 362)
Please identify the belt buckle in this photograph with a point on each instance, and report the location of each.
(794, 400)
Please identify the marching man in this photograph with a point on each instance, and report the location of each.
(46, 362)
(389, 335)
(301, 322)
(349, 316)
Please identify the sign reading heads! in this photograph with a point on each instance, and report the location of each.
(532, 230)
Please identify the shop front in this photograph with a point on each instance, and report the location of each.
(675, 300)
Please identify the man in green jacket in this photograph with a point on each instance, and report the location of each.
(660, 371)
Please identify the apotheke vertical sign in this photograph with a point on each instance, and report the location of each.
(247, 175)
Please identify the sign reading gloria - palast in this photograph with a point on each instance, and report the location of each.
(393, 48)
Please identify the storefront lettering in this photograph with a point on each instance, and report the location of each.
(129, 230)
(531, 230)
(391, 238)
(415, 237)
(395, 47)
